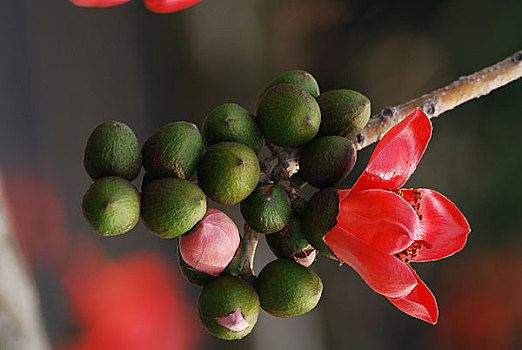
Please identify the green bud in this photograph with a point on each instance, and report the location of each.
(327, 160)
(267, 209)
(228, 308)
(287, 289)
(344, 113)
(111, 206)
(299, 78)
(171, 207)
(112, 150)
(233, 123)
(228, 172)
(288, 116)
(291, 243)
(320, 216)
(173, 151)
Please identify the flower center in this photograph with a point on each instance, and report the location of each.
(410, 253)
(414, 200)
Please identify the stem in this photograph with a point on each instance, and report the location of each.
(444, 99)
(248, 251)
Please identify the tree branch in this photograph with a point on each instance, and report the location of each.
(444, 99)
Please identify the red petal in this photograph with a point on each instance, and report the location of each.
(343, 194)
(384, 273)
(98, 3)
(397, 154)
(167, 6)
(443, 226)
(420, 303)
(380, 219)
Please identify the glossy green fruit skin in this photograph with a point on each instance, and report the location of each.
(221, 298)
(112, 150)
(233, 123)
(171, 206)
(228, 172)
(290, 242)
(288, 116)
(111, 205)
(320, 216)
(299, 78)
(287, 289)
(267, 209)
(173, 151)
(344, 113)
(326, 161)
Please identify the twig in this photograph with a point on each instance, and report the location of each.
(444, 99)
(248, 251)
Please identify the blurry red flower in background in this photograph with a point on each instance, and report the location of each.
(132, 303)
(158, 6)
(167, 6)
(382, 228)
(37, 218)
(482, 294)
(98, 3)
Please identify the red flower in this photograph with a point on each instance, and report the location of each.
(134, 303)
(159, 6)
(98, 3)
(166, 6)
(382, 228)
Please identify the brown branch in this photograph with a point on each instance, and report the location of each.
(444, 99)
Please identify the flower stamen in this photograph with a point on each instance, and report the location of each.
(410, 253)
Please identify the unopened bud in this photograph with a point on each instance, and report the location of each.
(212, 244)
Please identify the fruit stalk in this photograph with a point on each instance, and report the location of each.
(444, 99)
(248, 251)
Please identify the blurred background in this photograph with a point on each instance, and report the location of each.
(65, 69)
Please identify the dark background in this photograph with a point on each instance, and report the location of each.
(64, 70)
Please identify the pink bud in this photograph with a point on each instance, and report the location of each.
(212, 244)
(234, 322)
(306, 259)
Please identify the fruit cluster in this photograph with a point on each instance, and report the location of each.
(291, 113)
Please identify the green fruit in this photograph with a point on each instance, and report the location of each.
(223, 297)
(267, 209)
(299, 78)
(287, 289)
(111, 206)
(320, 216)
(231, 122)
(344, 113)
(228, 172)
(173, 151)
(288, 116)
(326, 161)
(112, 150)
(171, 207)
(194, 276)
(291, 243)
